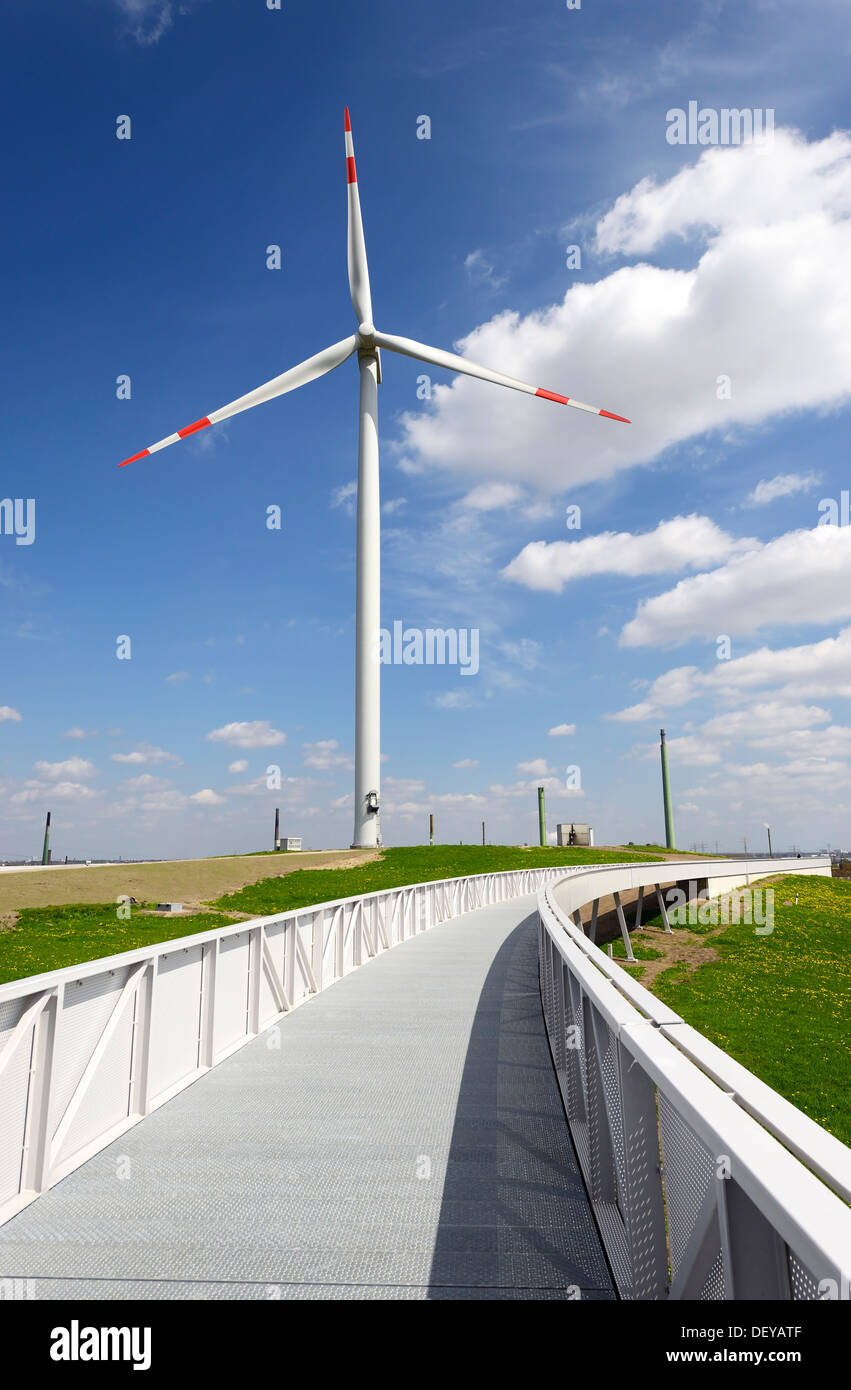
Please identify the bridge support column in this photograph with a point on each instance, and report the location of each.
(662, 908)
(622, 923)
(639, 908)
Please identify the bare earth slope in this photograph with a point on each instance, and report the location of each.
(188, 881)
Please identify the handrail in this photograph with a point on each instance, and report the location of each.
(703, 1180)
(88, 1050)
(9, 990)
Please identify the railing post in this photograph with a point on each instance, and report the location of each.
(639, 908)
(340, 943)
(756, 1259)
(36, 1167)
(317, 947)
(255, 976)
(143, 1017)
(357, 933)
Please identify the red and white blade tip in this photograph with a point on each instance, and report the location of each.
(565, 400)
(351, 172)
(172, 439)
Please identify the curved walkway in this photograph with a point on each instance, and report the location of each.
(399, 1136)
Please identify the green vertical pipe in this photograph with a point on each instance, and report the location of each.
(666, 794)
(542, 816)
(45, 853)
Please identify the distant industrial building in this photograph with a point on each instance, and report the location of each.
(574, 834)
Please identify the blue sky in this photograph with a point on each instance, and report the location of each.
(699, 522)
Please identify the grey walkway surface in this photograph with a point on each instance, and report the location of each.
(399, 1136)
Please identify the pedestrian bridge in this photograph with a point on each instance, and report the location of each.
(207, 1119)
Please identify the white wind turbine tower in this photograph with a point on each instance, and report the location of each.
(367, 343)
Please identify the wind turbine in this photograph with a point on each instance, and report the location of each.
(367, 343)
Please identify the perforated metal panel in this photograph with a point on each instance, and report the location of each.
(232, 990)
(107, 1096)
(176, 1019)
(10, 1015)
(804, 1284)
(275, 948)
(304, 932)
(689, 1171)
(574, 1060)
(612, 1092)
(87, 1010)
(714, 1286)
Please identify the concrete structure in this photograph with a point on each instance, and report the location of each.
(583, 834)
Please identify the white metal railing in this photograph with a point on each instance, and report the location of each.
(86, 1052)
(702, 1179)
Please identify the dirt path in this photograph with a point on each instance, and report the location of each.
(191, 882)
(685, 947)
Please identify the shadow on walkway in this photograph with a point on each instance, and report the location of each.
(515, 1222)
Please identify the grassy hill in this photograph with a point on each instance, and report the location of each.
(779, 1003)
(36, 939)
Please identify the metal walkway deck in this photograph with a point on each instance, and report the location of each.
(399, 1136)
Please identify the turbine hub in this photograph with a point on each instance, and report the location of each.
(366, 333)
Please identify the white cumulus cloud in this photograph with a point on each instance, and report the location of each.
(537, 767)
(70, 768)
(781, 485)
(145, 753)
(255, 733)
(759, 302)
(800, 577)
(207, 797)
(685, 542)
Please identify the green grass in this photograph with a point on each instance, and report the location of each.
(640, 951)
(779, 1003)
(48, 938)
(412, 864)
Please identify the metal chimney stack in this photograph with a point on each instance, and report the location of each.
(666, 795)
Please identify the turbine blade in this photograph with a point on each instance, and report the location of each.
(288, 381)
(453, 363)
(358, 267)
